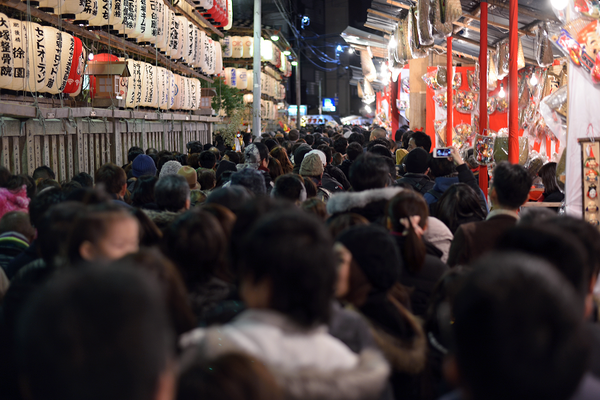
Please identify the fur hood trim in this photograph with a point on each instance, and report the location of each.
(343, 202)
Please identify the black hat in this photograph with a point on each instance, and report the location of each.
(375, 252)
(417, 161)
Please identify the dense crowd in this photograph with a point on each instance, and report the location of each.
(325, 264)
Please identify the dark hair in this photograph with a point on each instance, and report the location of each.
(356, 138)
(196, 243)
(143, 190)
(300, 265)
(271, 144)
(459, 202)
(288, 187)
(133, 153)
(150, 234)
(17, 221)
(557, 247)
(162, 161)
(171, 193)
(369, 171)
(207, 159)
(151, 151)
(301, 151)
(354, 151)
(233, 156)
(275, 169)
(512, 184)
(207, 179)
(194, 160)
(30, 184)
(42, 203)
(423, 140)
(280, 154)
(84, 179)
(42, 183)
(263, 151)
(440, 167)
(340, 145)
(518, 331)
(327, 151)
(229, 377)
(342, 222)
(43, 172)
(247, 138)
(224, 215)
(70, 187)
(97, 333)
(311, 188)
(382, 142)
(293, 135)
(406, 138)
(380, 150)
(406, 204)
(316, 207)
(310, 140)
(232, 197)
(112, 176)
(548, 175)
(154, 263)
(91, 227)
(54, 228)
(194, 147)
(5, 175)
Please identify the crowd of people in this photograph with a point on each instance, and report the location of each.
(329, 264)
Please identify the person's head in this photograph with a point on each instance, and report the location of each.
(251, 179)
(354, 150)
(281, 155)
(191, 177)
(43, 172)
(143, 165)
(232, 197)
(70, 187)
(194, 160)
(5, 175)
(378, 133)
(289, 187)
(150, 233)
(194, 147)
(271, 144)
(231, 376)
(293, 135)
(170, 168)
(407, 214)
(54, 230)
(257, 154)
(133, 153)
(375, 263)
(105, 233)
(511, 185)
(416, 162)
(84, 179)
(17, 221)
(143, 191)
(380, 150)
(172, 193)
(518, 332)
(296, 275)
(340, 223)
(459, 202)
(232, 156)
(406, 139)
(441, 167)
(312, 166)
(419, 139)
(113, 179)
(224, 215)
(207, 159)
(42, 203)
(45, 183)
(300, 152)
(207, 179)
(340, 145)
(151, 151)
(196, 243)
(369, 172)
(162, 160)
(275, 168)
(97, 333)
(28, 181)
(356, 137)
(247, 139)
(548, 175)
(316, 207)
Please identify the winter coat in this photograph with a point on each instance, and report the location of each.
(369, 203)
(443, 183)
(338, 175)
(420, 182)
(307, 364)
(162, 219)
(345, 168)
(11, 245)
(438, 235)
(204, 297)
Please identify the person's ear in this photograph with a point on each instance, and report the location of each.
(123, 190)
(86, 251)
(188, 204)
(165, 387)
(388, 223)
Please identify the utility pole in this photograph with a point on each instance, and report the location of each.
(256, 124)
(320, 100)
(298, 94)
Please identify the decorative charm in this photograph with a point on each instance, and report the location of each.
(592, 192)
(591, 208)
(590, 161)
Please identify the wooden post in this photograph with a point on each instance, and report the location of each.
(395, 117)
(483, 94)
(449, 122)
(513, 85)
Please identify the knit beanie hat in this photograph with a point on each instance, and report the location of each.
(170, 168)
(190, 176)
(400, 154)
(143, 165)
(417, 161)
(311, 165)
(251, 179)
(375, 252)
(321, 155)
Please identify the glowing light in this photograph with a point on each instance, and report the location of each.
(287, 52)
(91, 56)
(274, 38)
(338, 48)
(393, 43)
(294, 63)
(350, 50)
(502, 93)
(368, 109)
(534, 80)
(559, 4)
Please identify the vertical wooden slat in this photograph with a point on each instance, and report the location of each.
(16, 155)
(30, 146)
(80, 151)
(70, 154)
(38, 151)
(54, 156)
(103, 148)
(46, 150)
(63, 158)
(5, 152)
(89, 145)
(97, 150)
(86, 161)
(117, 139)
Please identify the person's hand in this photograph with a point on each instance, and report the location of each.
(455, 156)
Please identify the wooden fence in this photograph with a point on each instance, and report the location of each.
(82, 144)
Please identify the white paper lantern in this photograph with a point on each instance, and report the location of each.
(53, 46)
(35, 57)
(199, 57)
(70, 7)
(50, 3)
(177, 92)
(6, 52)
(248, 98)
(150, 95)
(211, 60)
(227, 47)
(130, 15)
(230, 76)
(218, 59)
(193, 93)
(156, 10)
(173, 89)
(248, 43)
(198, 94)
(229, 15)
(103, 15)
(89, 11)
(161, 87)
(204, 5)
(250, 79)
(162, 39)
(134, 85)
(142, 32)
(242, 78)
(183, 35)
(237, 47)
(191, 44)
(266, 50)
(116, 17)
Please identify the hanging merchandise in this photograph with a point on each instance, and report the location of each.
(503, 52)
(360, 91)
(501, 148)
(521, 56)
(440, 132)
(6, 52)
(368, 68)
(441, 100)
(442, 76)
(484, 149)
(491, 105)
(492, 71)
(501, 105)
(588, 8)
(424, 27)
(431, 79)
(403, 54)
(248, 45)
(465, 102)
(579, 40)
(441, 29)
(237, 47)
(543, 46)
(413, 35)
(463, 133)
(453, 11)
(369, 93)
(473, 79)
(456, 80)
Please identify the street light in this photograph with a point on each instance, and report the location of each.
(294, 63)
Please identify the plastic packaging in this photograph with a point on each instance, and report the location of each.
(440, 131)
(466, 102)
(501, 105)
(463, 133)
(431, 80)
(492, 71)
(503, 59)
(405, 85)
(453, 10)
(543, 47)
(440, 29)
(491, 105)
(501, 148)
(442, 76)
(413, 36)
(457, 80)
(473, 79)
(441, 100)
(424, 26)
(484, 149)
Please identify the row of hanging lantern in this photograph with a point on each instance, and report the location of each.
(39, 58)
(151, 22)
(268, 109)
(243, 79)
(243, 47)
(157, 87)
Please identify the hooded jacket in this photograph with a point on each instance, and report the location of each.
(307, 364)
(369, 203)
(13, 200)
(443, 183)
